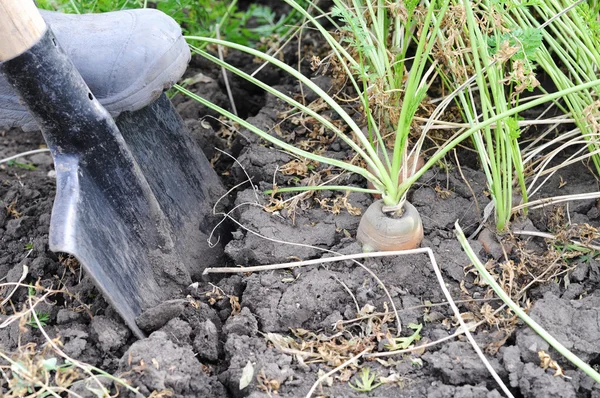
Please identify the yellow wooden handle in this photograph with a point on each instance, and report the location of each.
(21, 26)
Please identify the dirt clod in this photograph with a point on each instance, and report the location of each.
(156, 317)
(243, 323)
(170, 367)
(206, 342)
(111, 334)
(458, 364)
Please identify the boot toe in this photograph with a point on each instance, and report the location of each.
(152, 60)
(127, 58)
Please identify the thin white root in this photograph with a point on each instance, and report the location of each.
(22, 154)
(464, 326)
(536, 204)
(373, 275)
(550, 236)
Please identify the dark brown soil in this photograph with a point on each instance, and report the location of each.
(199, 344)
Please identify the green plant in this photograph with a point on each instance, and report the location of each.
(374, 66)
(42, 320)
(574, 359)
(570, 55)
(361, 61)
(390, 90)
(89, 6)
(26, 374)
(366, 382)
(26, 166)
(29, 246)
(243, 26)
(401, 343)
(508, 43)
(502, 62)
(196, 17)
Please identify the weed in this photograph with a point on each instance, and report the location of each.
(570, 53)
(31, 373)
(196, 17)
(26, 166)
(29, 246)
(401, 343)
(366, 382)
(43, 318)
(88, 6)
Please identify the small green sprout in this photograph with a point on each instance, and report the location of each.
(29, 246)
(43, 318)
(365, 382)
(26, 166)
(31, 291)
(52, 364)
(416, 362)
(401, 343)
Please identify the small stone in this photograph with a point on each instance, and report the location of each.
(490, 244)
(75, 341)
(594, 213)
(15, 227)
(206, 342)
(39, 266)
(537, 382)
(167, 367)
(75, 347)
(42, 159)
(111, 334)
(511, 356)
(243, 323)
(15, 273)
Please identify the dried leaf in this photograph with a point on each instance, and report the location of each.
(367, 309)
(328, 380)
(345, 375)
(546, 362)
(392, 378)
(247, 375)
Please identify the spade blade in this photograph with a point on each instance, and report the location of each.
(129, 209)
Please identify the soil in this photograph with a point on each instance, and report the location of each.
(200, 343)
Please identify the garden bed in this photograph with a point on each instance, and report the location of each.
(295, 325)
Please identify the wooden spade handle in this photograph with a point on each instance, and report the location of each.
(21, 26)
